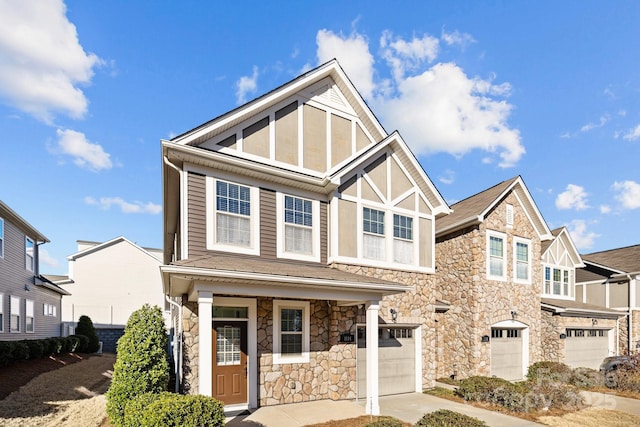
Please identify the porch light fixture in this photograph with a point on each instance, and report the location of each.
(594, 322)
(563, 336)
(394, 315)
(27, 287)
(485, 338)
(514, 314)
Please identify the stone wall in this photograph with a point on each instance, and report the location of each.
(635, 330)
(623, 330)
(190, 347)
(477, 303)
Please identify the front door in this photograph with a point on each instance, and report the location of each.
(230, 362)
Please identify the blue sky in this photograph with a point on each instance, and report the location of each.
(481, 92)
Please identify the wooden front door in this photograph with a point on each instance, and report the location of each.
(230, 362)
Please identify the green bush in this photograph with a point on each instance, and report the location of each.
(142, 362)
(20, 350)
(36, 348)
(82, 345)
(386, 422)
(586, 378)
(173, 410)
(554, 395)
(55, 345)
(6, 352)
(85, 327)
(553, 371)
(445, 418)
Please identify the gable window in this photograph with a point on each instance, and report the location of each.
(29, 316)
(373, 234)
(1, 238)
(15, 314)
(522, 261)
(557, 281)
(291, 331)
(496, 256)
(29, 254)
(232, 217)
(402, 239)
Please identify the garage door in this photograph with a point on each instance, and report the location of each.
(506, 353)
(586, 347)
(396, 361)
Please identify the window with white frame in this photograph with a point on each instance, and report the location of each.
(373, 240)
(496, 256)
(298, 227)
(29, 317)
(29, 254)
(1, 312)
(402, 239)
(290, 331)
(49, 310)
(232, 215)
(557, 281)
(15, 314)
(522, 260)
(1, 238)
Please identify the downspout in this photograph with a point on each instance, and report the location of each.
(630, 316)
(177, 343)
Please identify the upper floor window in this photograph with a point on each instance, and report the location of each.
(232, 217)
(557, 281)
(522, 261)
(49, 310)
(291, 331)
(373, 234)
(1, 238)
(402, 239)
(29, 316)
(15, 314)
(496, 262)
(298, 227)
(29, 254)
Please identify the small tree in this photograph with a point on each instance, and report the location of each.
(85, 327)
(142, 364)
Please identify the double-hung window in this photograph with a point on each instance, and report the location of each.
(557, 281)
(291, 331)
(522, 260)
(298, 228)
(15, 314)
(402, 239)
(29, 253)
(1, 238)
(29, 316)
(496, 256)
(373, 234)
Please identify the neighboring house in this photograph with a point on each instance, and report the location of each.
(108, 281)
(29, 303)
(612, 278)
(506, 285)
(299, 243)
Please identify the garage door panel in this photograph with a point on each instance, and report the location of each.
(506, 354)
(586, 348)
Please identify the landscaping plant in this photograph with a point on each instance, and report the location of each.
(168, 409)
(446, 418)
(85, 327)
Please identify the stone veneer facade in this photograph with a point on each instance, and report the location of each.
(476, 303)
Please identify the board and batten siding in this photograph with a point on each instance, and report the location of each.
(197, 214)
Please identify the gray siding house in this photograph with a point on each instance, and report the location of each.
(30, 304)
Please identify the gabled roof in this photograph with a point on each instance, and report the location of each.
(112, 242)
(562, 234)
(575, 308)
(474, 209)
(45, 282)
(620, 260)
(329, 69)
(9, 214)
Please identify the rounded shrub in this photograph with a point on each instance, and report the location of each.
(173, 410)
(20, 350)
(55, 346)
(586, 378)
(6, 352)
(82, 343)
(142, 362)
(553, 371)
(444, 417)
(85, 327)
(36, 348)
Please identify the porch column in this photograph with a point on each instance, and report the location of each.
(373, 406)
(205, 356)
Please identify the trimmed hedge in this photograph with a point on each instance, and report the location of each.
(444, 417)
(168, 409)
(12, 351)
(85, 327)
(386, 422)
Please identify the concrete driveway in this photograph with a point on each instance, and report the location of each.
(406, 407)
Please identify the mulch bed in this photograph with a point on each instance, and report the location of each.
(19, 373)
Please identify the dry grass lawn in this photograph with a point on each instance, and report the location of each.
(72, 396)
(592, 417)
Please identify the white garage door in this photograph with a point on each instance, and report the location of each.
(586, 347)
(396, 361)
(506, 353)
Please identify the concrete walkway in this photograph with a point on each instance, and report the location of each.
(406, 407)
(612, 402)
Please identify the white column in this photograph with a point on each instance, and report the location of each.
(205, 357)
(373, 406)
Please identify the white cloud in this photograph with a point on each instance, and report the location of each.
(45, 258)
(41, 60)
(627, 193)
(353, 54)
(590, 126)
(136, 207)
(447, 177)
(574, 197)
(457, 38)
(582, 238)
(85, 154)
(633, 134)
(605, 209)
(246, 85)
(439, 109)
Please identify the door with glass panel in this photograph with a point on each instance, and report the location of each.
(230, 361)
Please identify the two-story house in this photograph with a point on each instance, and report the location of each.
(29, 303)
(108, 281)
(298, 240)
(611, 279)
(508, 282)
